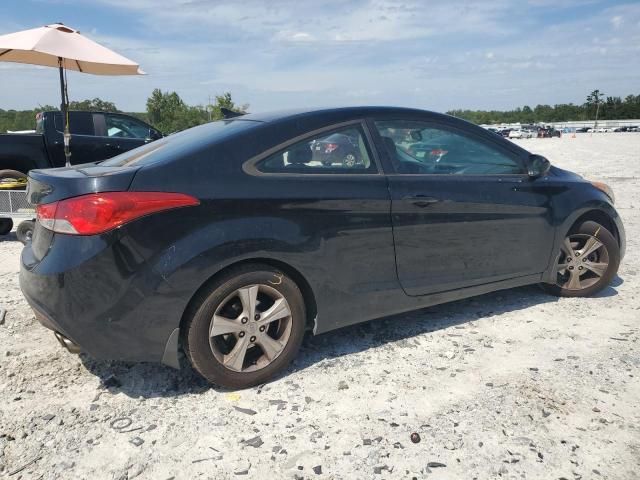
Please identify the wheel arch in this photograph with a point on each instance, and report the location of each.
(599, 216)
(601, 213)
(308, 295)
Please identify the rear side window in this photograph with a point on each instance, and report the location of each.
(343, 150)
(80, 123)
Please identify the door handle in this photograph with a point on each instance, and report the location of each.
(421, 201)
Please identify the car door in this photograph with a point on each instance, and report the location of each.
(464, 211)
(83, 145)
(340, 209)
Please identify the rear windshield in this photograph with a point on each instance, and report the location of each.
(178, 144)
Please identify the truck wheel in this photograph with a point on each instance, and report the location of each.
(24, 232)
(6, 224)
(12, 180)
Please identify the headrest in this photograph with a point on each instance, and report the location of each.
(299, 154)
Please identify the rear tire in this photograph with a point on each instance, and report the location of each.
(578, 276)
(24, 232)
(6, 224)
(232, 316)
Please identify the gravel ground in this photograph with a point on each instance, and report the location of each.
(515, 384)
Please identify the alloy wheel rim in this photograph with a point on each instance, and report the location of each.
(350, 160)
(583, 261)
(250, 328)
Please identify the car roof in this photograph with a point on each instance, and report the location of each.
(327, 113)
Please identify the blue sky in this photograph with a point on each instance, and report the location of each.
(434, 54)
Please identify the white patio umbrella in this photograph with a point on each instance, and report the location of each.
(59, 46)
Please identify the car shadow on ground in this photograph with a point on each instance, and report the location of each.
(9, 237)
(153, 380)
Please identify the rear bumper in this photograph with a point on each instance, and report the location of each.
(98, 306)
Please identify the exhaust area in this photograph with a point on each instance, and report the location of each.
(66, 343)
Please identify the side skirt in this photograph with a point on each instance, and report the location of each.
(415, 303)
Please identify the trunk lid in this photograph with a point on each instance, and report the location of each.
(53, 184)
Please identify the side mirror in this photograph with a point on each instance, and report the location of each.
(153, 135)
(537, 166)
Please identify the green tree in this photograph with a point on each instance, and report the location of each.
(224, 101)
(95, 105)
(609, 108)
(169, 113)
(594, 100)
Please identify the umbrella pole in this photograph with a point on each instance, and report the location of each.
(64, 107)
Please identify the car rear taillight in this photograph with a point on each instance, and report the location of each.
(97, 213)
(330, 147)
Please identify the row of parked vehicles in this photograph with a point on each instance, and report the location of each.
(632, 128)
(549, 132)
(527, 132)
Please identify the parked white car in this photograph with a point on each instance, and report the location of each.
(521, 134)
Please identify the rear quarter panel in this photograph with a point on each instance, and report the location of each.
(335, 232)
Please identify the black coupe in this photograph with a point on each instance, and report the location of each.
(229, 241)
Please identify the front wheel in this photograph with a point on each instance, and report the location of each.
(587, 262)
(246, 327)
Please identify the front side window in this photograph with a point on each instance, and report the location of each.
(339, 151)
(419, 148)
(122, 127)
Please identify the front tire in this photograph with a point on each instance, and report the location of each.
(246, 327)
(587, 263)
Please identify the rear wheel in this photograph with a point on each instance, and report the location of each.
(6, 224)
(349, 160)
(587, 263)
(24, 232)
(246, 327)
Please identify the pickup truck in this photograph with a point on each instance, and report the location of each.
(94, 136)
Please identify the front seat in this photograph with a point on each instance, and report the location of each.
(299, 156)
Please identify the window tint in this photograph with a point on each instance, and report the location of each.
(416, 148)
(123, 127)
(340, 151)
(80, 123)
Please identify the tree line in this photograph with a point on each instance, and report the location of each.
(166, 111)
(596, 105)
(169, 113)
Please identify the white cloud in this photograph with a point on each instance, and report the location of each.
(438, 54)
(616, 21)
